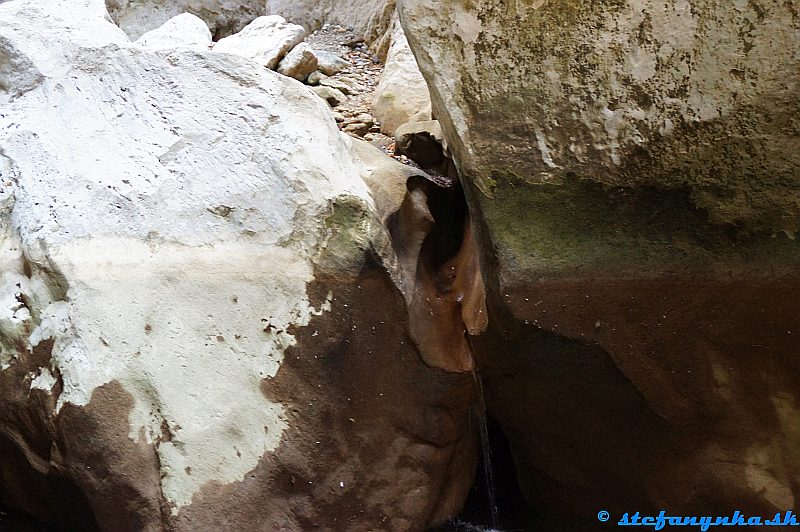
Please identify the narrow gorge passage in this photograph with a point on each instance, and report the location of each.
(244, 288)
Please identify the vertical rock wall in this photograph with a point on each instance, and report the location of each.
(632, 167)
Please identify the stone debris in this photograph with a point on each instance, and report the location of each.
(357, 79)
(335, 63)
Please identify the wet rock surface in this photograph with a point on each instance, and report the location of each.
(638, 245)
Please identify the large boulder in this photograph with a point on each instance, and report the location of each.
(679, 95)
(633, 167)
(370, 19)
(266, 41)
(299, 63)
(330, 63)
(217, 312)
(185, 30)
(402, 95)
(224, 17)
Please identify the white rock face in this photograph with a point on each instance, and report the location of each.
(266, 40)
(137, 17)
(159, 221)
(184, 31)
(299, 63)
(402, 95)
(26, 42)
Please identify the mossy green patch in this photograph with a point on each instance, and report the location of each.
(584, 226)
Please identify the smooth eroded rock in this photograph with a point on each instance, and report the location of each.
(183, 31)
(402, 94)
(223, 17)
(208, 316)
(266, 40)
(632, 167)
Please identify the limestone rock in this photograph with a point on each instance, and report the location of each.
(208, 317)
(27, 50)
(402, 94)
(688, 101)
(338, 84)
(333, 96)
(329, 63)
(266, 40)
(298, 63)
(369, 18)
(637, 196)
(315, 77)
(223, 17)
(183, 31)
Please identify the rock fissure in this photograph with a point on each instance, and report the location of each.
(226, 304)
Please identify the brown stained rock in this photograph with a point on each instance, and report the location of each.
(636, 222)
(433, 239)
(79, 469)
(648, 393)
(119, 476)
(30, 483)
(376, 438)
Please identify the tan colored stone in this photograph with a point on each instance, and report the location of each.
(402, 95)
